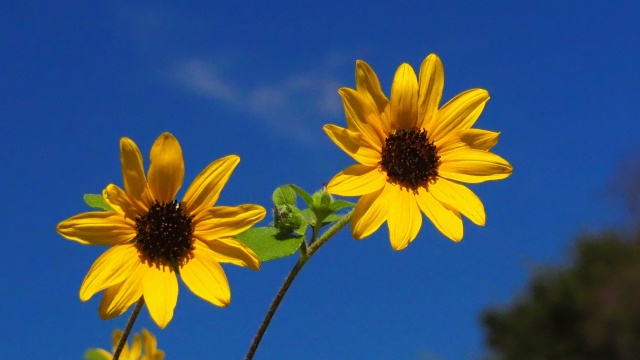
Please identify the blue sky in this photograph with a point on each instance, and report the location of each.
(259, 79)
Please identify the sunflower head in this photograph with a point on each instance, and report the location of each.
(147, 343)
(413, 154)
(409, 158)
(153, 237)
(165, 234)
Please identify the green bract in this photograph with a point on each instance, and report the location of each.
(290, 223)
(97, 202)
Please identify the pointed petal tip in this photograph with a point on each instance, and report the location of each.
(433, 56)
(345, 91)
(357, 236)
(83, 296)
(162, 325)
(167, 136)
(125, 141)
(233, 157)
(399, 247)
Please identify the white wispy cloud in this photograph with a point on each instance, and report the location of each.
(203, 79)
(294, 106)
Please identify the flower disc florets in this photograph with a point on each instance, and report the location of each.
(164, 233)
(409, 158)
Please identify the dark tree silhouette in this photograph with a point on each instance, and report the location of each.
(589, 310)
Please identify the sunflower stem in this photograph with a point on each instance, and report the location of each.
(304, 253)
(310, 250)
(329, 233)
(127, 330)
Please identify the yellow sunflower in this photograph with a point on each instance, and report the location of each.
(153, 237)
(412, 153)
(134, 352)
(151, 351)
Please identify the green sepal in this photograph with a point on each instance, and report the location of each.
(330, 219)
(308, 216)
(284, 195)
(322, 204)
(302, 230)
(337, 205)
(270, 243)
(96, 201)
(303, 195)
(93, 354)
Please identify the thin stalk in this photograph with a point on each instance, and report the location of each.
(127, 330)
(311, 249)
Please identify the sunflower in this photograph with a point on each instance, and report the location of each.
(148, 341)
(153, 237)
(413, 154)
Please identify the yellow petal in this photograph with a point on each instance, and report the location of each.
(120, 202)
(467, 138)
(370, 212)
(118, 298)
(136, 347)
(134, 180)
(205, 189)
(160, 288)
(98, 228)
(473, 166)
(461, 112)
(167, 168)
(221, 221)
(232, 251)
(205, 277)
(368, 85)
(430, 94)
(149, 341)
(404, 98)
(354, 144)
(357, 180)
(404, 219)
(363, 118)
(111, 268)
(115, 338)
(124, 354)
(447, 220)
(461, 198)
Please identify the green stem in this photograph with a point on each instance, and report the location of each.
(292, 275)
(127, 330)
(329, 233)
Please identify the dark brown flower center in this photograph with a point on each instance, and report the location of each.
(409, 158)
(165, 233)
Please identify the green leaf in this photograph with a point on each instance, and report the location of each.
(284, 195)
(93, 354)
(331, 219)
(341, 204)
(303, 195)
(96, 201)
(308, 216)
(269, 243)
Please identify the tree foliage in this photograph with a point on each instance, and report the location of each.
(588, 310)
